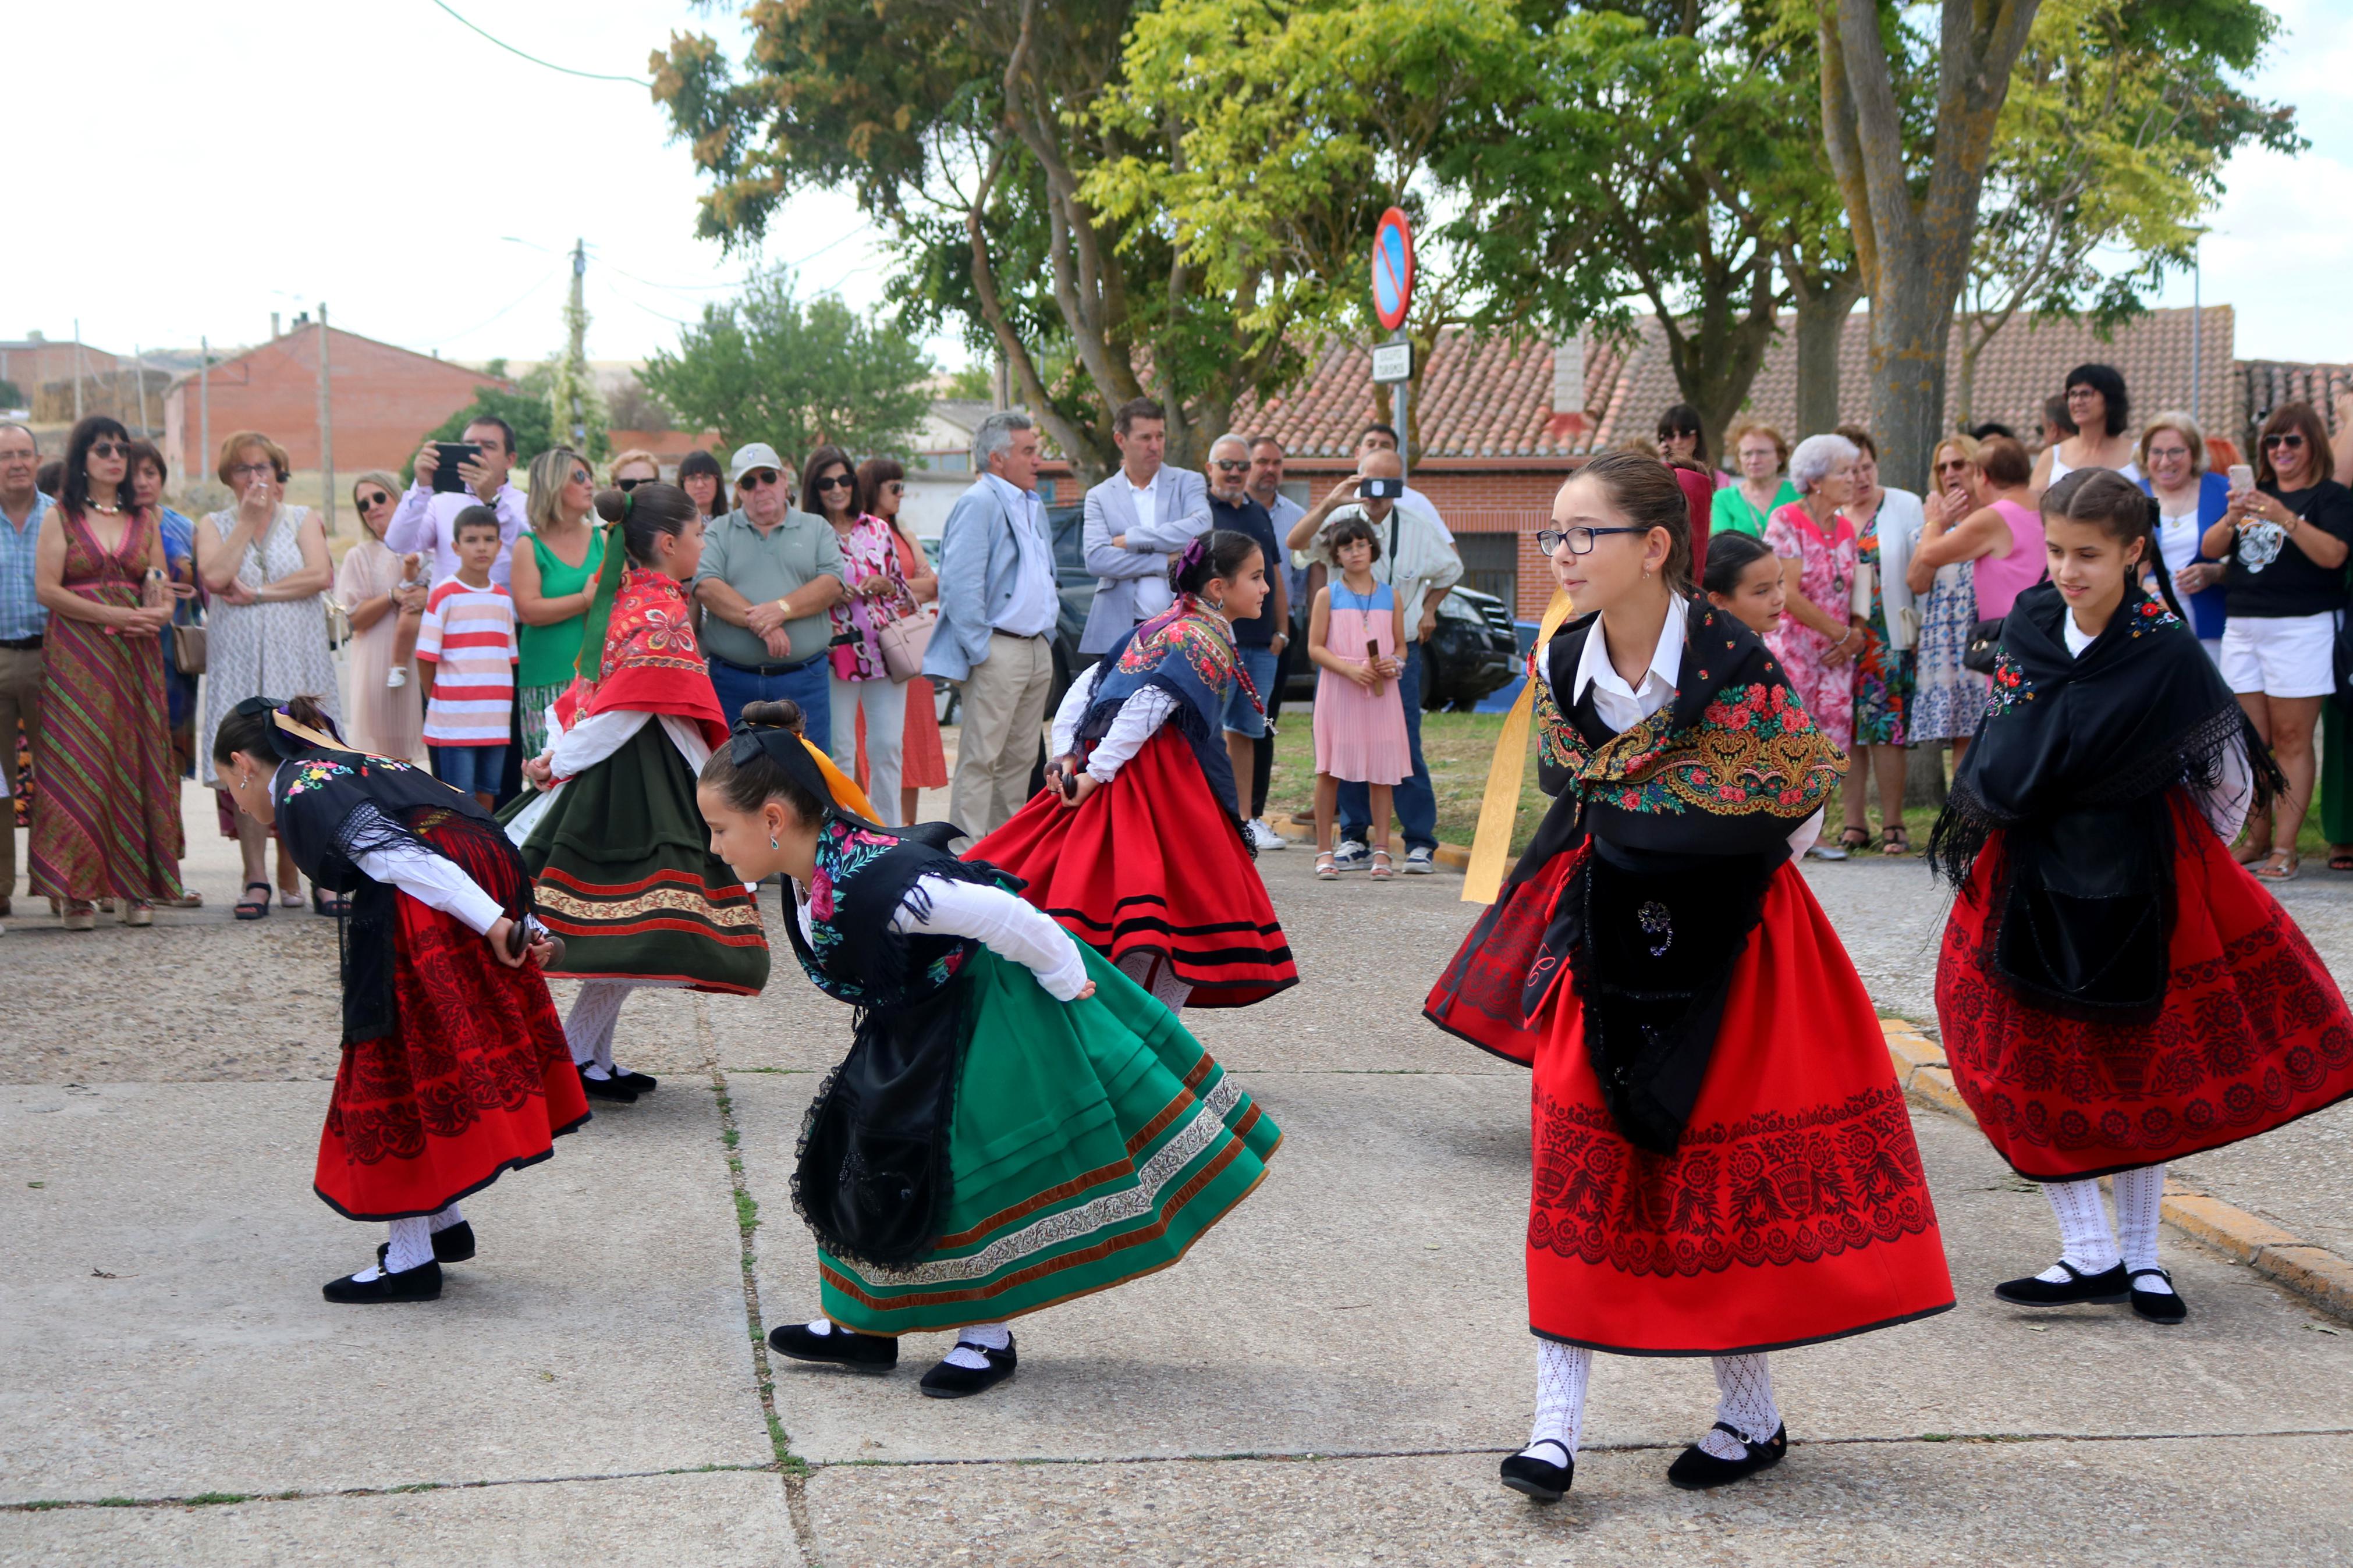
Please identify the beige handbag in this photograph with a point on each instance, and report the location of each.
(903, 639)
(338, 619)
(188, 647)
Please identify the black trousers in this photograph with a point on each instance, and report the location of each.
(1262, 754)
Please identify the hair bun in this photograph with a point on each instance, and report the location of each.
(612, 505)
(782, 714)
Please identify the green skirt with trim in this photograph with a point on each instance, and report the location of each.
(621, 870)
(1092, 1143)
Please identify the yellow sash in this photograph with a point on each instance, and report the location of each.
(1499, 810)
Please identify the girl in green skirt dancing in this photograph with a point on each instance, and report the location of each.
(1017, 1123)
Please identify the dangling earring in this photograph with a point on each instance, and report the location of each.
(772, 844)
(1220, 607)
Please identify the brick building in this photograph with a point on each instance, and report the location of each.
(386, 399)
(34, 361)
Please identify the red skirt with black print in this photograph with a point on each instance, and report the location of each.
(2253, 1032)
(1794, 1209)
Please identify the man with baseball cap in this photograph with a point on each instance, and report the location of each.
(769, 573)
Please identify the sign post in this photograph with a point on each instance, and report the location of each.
(1392, 299)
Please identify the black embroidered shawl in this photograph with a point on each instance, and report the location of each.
(1689, 814)
(2074, 762)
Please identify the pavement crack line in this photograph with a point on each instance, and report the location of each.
(790, 1466)
(299, 1494)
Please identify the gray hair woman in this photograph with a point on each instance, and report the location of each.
(1817, 545)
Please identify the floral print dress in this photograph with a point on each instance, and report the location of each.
(1883, 672)
(867, 550)
(1826, 576)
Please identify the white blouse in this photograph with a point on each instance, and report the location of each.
(434, 880)
(1143, 712)
(1007, 925)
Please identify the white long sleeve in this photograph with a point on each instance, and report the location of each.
(435, 881)
(1000, 921)
(1065, 734)
(592, 740)
(2225, 805)
(1138, 717)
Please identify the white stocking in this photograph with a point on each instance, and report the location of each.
(446, 1219)
(1156, 974)
(589, 1030)
(411, 1248)
(1743, 1400)
(1561, 1375)
(972, 1340)
(2084, 1239)
(2139, 1194)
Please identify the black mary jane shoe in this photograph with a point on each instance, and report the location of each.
(609, 1089)
(422, 1283)
(949, 1381)
(2106, 1287)
(454, 1245)
(637, 1082)
(1697, 1469)
(850, 1352)
(1540, 1479)
(2157, 1306)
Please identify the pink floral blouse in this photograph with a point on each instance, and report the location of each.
(866, 551)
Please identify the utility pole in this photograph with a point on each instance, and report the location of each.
(1400, 409)
(204, 407)
(77, 369)
(326, 425)
(139, 369)
(2197, 319)
(575, 317)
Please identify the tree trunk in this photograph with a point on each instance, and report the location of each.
(1911, 330)
(1823, 306)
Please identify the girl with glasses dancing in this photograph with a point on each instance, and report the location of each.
(1724, 1163)
(1138, 844)
(2115, 990)
(1015, 1124)
(622, 864)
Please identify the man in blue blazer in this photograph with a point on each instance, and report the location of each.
(1135, 520)
(998, 602)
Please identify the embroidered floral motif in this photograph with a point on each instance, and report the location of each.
(1183, 632)
(1755, 749)
(311, 772)
(2010, 686)
(652, 627)
(842, 851)
(2153, 616)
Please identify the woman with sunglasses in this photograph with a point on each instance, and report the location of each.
(1697, 1033)
(1948, 696)
(922, 762)
(555, 579)
(2285, 542)
(372, 586)
(106, 819)
(859, 685)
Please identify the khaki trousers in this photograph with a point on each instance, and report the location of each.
(1001, 705)
(20, 697)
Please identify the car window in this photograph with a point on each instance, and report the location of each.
(1066, 523)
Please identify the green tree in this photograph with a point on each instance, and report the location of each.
(526, 408)
(765, 368)
(2120, 118)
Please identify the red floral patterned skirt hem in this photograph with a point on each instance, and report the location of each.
(1794, 1209)
(1180, 883)
(2252, 1033)
(474, 1080)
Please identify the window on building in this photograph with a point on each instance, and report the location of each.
(1490, 564)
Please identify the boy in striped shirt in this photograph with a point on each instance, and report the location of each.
(467, 650)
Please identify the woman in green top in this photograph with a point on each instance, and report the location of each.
(552, 583)
(1743, 508)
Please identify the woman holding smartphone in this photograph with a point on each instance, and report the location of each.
(2285, 540)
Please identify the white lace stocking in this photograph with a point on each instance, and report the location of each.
(1561, 1375)
(1154, 974)
(589, 1029)
(971, 1342)
(2139, 1195)
(2084, 1239)
(1745, 1400)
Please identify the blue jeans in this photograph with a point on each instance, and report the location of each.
(805, 686)
(1241, 717)
(1415, 802)
(473, 770)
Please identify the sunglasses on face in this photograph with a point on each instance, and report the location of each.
(1230, 465)
(2292, 441)
(1952, 465)
(630, 484)
(895, 487)
(758, 478)
(256, 471)
(109, 449)
(837, 482)
(373, 499)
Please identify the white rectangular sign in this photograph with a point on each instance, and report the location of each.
(1392, 362)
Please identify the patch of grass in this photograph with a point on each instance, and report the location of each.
(118, 1502)
(398, 1491)
(1459, 749)
(747, 1214)
(214, 1500)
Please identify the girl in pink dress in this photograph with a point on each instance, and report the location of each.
(1353, 634)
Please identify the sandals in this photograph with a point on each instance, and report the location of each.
(1326, 870)
(2280, 866)
(1851, 839)
(250, 908)
(2340, 857)
(332, 905)
(1382, 870)
(1894, 840)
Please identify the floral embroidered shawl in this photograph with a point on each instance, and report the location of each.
(652, 661)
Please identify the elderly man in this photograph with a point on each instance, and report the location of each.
(1418, 561)
(1135, 520)
(1384, 438)
(23, 619)
(768, 575)
(425, 520)
(1260, 639)
(999, 603)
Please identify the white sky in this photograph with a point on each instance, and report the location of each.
(374, 156)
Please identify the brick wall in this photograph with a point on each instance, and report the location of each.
(385, 398)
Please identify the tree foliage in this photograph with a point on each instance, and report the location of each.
(526, 410)
(765, 368)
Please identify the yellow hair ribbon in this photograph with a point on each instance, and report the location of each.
(846, 792)
(1499, 810)
(302, 731)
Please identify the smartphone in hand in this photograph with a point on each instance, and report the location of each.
(446, 480)
(2243, 478)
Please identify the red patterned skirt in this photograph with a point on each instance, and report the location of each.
(1794, 1209)
(474, 1080)
(2252, 1033)
(1179, 885)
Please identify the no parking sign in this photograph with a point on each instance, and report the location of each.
(1392, 269)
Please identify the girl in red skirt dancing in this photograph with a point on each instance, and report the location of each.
(1141, 768)
(1723, 1162)
(454, 1067)
(2115, 990)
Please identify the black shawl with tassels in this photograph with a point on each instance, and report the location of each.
(2074, 765)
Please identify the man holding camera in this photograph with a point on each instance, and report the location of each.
(425, 516)
(1418, 560)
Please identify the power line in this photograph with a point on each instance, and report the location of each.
(684, 289)
(567, 70)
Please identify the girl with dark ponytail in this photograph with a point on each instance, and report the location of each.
(1140, 766)
(2115, 990)
(454, 1069)
(608, 828)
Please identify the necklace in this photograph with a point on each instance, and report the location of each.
(95, 505)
